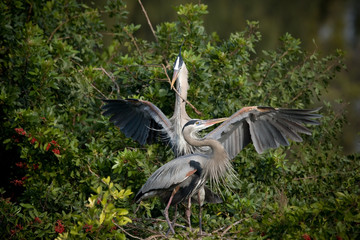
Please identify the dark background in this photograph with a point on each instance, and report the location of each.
(325, 25)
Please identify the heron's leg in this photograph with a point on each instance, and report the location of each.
(188, 212)
(173, 222)
(166, 211)
(200, 213)
(175, 215)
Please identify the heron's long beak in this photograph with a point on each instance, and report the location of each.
(174, 77)
(209, 123)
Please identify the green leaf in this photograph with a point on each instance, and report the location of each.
(26, 205)
(102, 217)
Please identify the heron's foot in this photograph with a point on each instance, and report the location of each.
(170, 229)
(166, 213)
(177, 225)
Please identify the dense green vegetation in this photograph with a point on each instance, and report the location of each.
(67, 173)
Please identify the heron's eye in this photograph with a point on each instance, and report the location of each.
(197, 123)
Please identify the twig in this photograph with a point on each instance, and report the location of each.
(157, 220)
(148, 20)
(141, 228)
(271, 66)
(134, 42)
(98, 90)
(155, 236)
(111, 77)
(176, 91)
(122, 229)
(56, 29)
(168, 80)
(228, 228)
(91, 171)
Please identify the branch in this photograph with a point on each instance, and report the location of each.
(167, 79)
(134, 42)
(235, 223)
(122, 229)
(95, 174)
(55, 30)
(154, 236)
(272, 65)
(111, 77)
(148, 20)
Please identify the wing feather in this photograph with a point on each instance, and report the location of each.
(140, 120)
(265, 127)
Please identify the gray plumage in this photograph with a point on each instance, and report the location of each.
(184, 176)
(265, 127)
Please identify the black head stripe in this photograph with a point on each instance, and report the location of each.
(178, 62)
(191, 122)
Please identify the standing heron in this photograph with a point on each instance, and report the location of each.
(184, 176)
(265, 127)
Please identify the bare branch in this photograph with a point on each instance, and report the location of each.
(134, 42)
(148, 20)
(122, 229)
(98, 90)
(154, 237)
(111, 77)
(271, 66)
(235, 223)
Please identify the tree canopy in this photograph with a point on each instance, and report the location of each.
(68, 173)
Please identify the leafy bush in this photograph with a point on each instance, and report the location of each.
(69, 173)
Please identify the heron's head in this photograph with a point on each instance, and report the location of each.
(196, 125)
(178, 65)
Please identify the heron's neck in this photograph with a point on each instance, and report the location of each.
(218, 166)
(218, 151)
(182, 87)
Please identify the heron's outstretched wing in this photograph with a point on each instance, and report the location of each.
(140, 120)
(265, 127)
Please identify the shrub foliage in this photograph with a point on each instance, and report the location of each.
(69, 173)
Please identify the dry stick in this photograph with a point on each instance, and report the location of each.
(111, 77)
(157, 220)
(148, 20)
(98, 90)
(150, 25)
(122, 229)
(176, 91)
(154, 236)
(134, 42)
(168, 79)
(228, 228)
(96, 175)
(55, 30)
